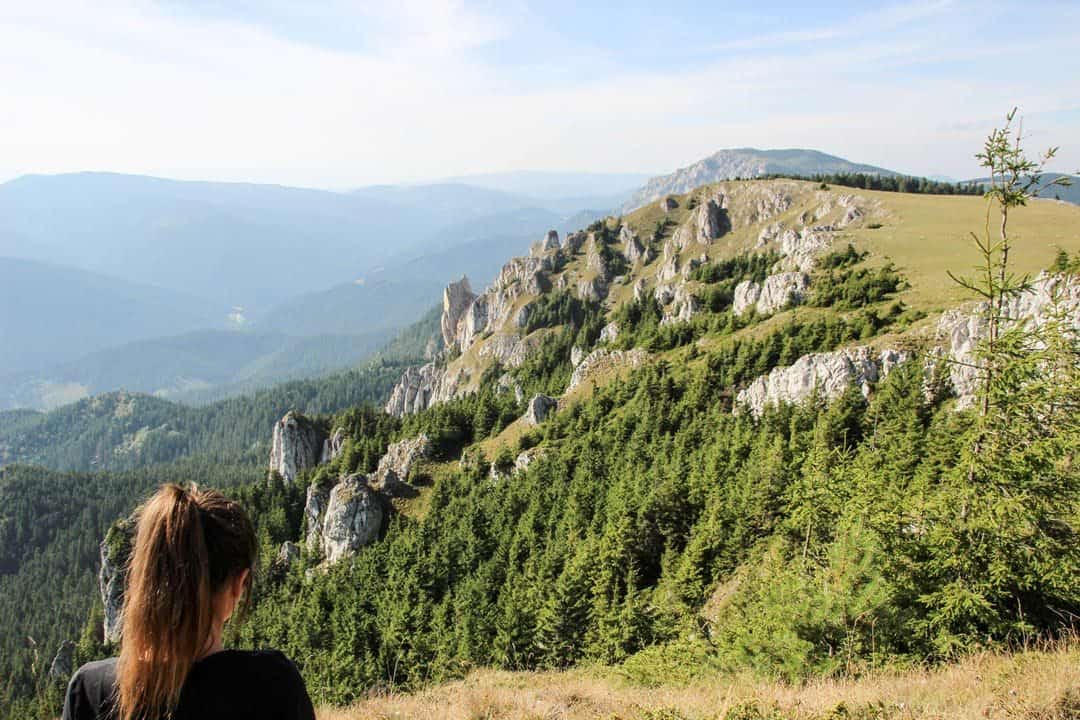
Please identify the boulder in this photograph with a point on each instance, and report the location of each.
(540, 406)
(297, 445)
(608, 334)
(353, 518)
(525, 459)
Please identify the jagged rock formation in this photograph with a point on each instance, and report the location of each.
(668, 204)
(396, 465)
(332, 446)
(577, 354)
(708, 222)
(776, 293)
(508, 383)
(288, 555)
(959, 332)
(601, 359)
(539, 408)
(744, 163)
(111, 580)
(63, 663)
(573, 242)
(684, 305)
(631, 245)
(456, 299)
(297, 445)
(318, 497)
(607, 334)
(420, 388)
(828, 374)
(526, 458)
(801, 247)
(353, 518)
(549, 242)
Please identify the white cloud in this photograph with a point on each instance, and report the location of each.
(140, 88)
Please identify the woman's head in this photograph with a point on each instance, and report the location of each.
(192, 560)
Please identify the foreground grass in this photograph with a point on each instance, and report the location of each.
(1028, 685)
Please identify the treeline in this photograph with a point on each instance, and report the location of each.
(888, 183)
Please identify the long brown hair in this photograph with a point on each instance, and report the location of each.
(188, 545)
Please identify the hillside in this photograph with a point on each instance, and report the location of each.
(745, 163)
(50, 314)
(692, 442)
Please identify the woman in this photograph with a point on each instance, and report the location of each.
(191, 565)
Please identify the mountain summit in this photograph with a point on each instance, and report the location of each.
(745, 163)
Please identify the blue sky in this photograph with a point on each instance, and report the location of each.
(340, 94)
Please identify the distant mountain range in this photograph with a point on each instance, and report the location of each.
(744, 163)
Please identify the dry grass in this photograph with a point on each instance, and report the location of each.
(1023, 686)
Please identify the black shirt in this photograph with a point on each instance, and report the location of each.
(232, 684)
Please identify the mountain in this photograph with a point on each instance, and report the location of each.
(1067, 193)
(700, 436)
(234, 244)
(50, 314)
(745, 163)
(205, 364)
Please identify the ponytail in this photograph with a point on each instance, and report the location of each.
(188, 545)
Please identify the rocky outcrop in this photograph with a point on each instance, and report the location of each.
(592, 289)
(800, 248)
(607, 334)
(777, 292)
(602, 359)
(668, 204)
(396, 465)
(632, 247)
(63, 663)
(297, 445)
(707, 223)
(540, 406)
(112, 577)
(684, 305)
(959, 332)
(547, 244)
(288, 555)
(769, 233)
(508, 383)
(332, 446)
(828, 374)
(508, 349)
(456, 299)
(573, 242)
(318, 497)
(420, 388)
(353, 518)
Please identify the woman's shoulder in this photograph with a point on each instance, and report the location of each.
(91, 689)
(264, 663)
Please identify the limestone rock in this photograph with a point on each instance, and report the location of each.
(63, 663)
(318, 497)
(526, 458)
(829, 374)
(669, 270)
(602, 358)
(800, 248)
(420, 388)
(776, 293)
(959, 332)
(288, 555)
(607, 334)
(664, 294)
(576, 356)
(769, 233)
(297, 445)
(398, 462)
(573, 242)
(668, 204)
(112, 577)
(508, 349)
(508, 383)
(456, 299)
(332, 446)
(353, 518)
(640, 287)
(684, 306)
(540, 406)
(548, 243)
(594, 290)
(631, 245)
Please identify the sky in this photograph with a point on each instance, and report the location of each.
(342, 94)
